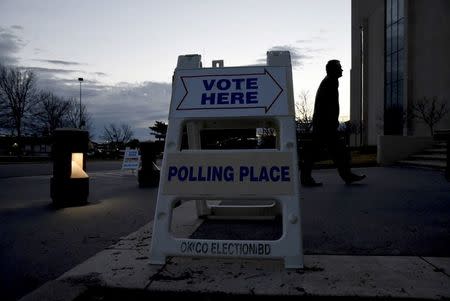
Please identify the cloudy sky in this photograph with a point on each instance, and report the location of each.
(126, 51)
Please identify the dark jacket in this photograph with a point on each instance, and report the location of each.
(326, 107)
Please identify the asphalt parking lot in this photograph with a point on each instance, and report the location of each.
(395, 211)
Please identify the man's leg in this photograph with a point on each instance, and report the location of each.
(306, 159)
(341, 156)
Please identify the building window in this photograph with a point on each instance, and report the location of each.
(394, 67)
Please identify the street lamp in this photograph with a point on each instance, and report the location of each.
(80, 79)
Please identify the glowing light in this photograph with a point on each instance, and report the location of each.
(77, 166)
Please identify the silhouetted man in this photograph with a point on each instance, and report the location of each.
(325, 129)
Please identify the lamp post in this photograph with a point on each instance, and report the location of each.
(80, 79)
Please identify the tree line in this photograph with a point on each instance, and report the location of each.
(26, 110)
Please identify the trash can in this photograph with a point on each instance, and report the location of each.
(149, 173)
(69, 185)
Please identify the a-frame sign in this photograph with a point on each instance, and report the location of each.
(256, 95)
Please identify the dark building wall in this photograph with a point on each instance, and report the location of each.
(366, 14)
(425, 68)
(428, 55)
(374, 76)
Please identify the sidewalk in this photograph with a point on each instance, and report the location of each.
(122, 272)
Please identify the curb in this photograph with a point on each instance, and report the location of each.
(123, 270)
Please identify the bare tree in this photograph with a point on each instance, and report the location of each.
(303, 113)
(17, 98)
(267, 137)
(4, 115)
(430, 111)
(52, 112)
(117, 135)
(73, 116)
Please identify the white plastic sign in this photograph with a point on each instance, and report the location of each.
(224, 98)
(131, 159)
(238, 91)
(233, 174)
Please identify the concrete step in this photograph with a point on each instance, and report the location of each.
(439, 145)
(423, 163)
(436, 150)
(430, 156)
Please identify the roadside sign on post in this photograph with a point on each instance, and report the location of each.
(131, 159)
(230, 97)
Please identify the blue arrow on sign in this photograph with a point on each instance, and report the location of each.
(230, 91)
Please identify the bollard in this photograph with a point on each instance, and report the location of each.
(69, 185)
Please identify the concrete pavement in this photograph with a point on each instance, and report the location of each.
(125, 264)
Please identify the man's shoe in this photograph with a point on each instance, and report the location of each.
(310, 183)
(351, 178)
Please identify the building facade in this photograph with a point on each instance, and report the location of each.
(400, 57)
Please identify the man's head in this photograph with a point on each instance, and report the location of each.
(334, 68)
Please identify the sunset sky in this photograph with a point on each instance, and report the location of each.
(126, 51)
